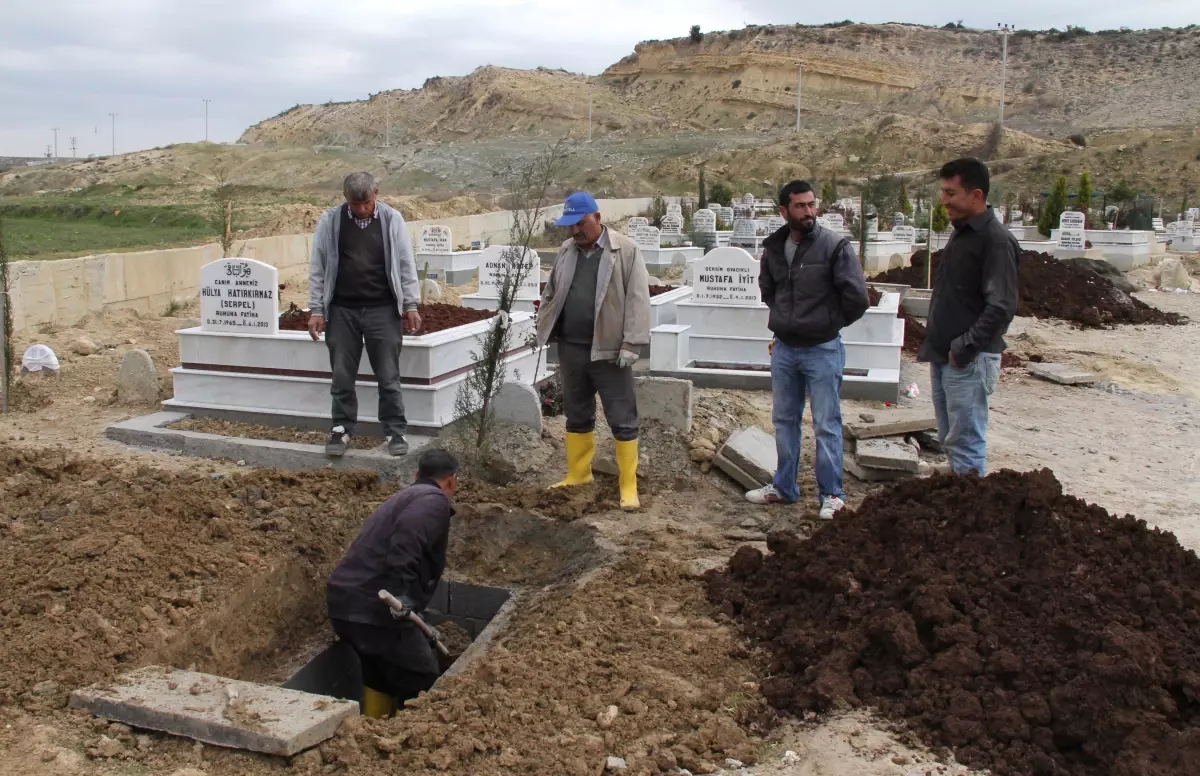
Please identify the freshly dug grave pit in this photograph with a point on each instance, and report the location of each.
(1032, 632)
(1050, 288)
(435, 317)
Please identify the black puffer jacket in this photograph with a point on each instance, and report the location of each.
(823, 291)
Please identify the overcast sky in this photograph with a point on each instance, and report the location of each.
(69, 63)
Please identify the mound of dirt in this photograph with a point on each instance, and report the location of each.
(1032, 632)
(107, 565)
(1050, 288)
(435, 316)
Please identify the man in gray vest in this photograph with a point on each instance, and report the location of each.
(812, 282)
(363, 290)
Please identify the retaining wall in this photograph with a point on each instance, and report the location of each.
(63, 291)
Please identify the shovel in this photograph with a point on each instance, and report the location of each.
(396, 606)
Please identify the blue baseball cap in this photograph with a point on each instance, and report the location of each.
(576, 207)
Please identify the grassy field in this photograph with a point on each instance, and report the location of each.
(55, 231)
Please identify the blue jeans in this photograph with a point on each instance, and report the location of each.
(817, 372)
(960, 403)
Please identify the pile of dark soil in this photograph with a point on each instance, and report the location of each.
(1028, 630)
(656, 290)
(294, 319)
(435, 316)
(1050, 288)
(874, 296)
(914, 334)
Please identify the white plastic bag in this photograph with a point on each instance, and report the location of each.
(38, 358)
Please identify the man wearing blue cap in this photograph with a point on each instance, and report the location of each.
(596, 306)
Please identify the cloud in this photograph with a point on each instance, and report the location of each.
(152, 62)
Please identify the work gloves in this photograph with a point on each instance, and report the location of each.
(627, 358)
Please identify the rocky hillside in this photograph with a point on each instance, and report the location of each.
(1058, 83)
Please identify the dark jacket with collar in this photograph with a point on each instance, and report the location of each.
(401, 548)
(975, 292)
(819, 294)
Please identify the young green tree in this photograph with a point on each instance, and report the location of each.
(902, 203)
(1052, 211)
(1009, 200)
(9, 361)
(721, 194)
(703, 192)
(1183, 206)
(941, 219)
(529, 189)
(827, 195)
(1084, 200)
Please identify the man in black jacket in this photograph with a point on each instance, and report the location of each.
(974, 300)
(812, 282)
(401, 548)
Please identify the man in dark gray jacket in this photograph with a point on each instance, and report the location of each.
(363, 290)
(401, 548)
(974, 300)
(812, 282)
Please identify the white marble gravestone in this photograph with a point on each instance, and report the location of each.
(435, 239)
(726, 276)
(904, 234)
(635, 223)
(1071, 231)
(774, 224)
(704, 220)
(672, 225)
(495, 262)
(239, 296)
(836, 221)
(647, 237)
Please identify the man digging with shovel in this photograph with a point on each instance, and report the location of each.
(389, 575)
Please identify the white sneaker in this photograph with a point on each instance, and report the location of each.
(765, 495)
(830, 507)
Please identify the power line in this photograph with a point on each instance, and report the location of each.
(55, 131)
(206, 102)
(113, 116)
(73, 139)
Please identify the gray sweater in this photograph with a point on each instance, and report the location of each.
(398, 256)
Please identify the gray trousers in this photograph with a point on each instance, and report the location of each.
(347, 329)
(583, 378)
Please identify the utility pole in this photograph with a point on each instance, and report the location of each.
(49, 152)
(55, 131)
(590, 88)
(1005, 30)
(799, 89)
(113, 116)
(206, 102)
(73, 139)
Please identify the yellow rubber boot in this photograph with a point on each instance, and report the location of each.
(581, 449)
(627, 463)
(376, 704)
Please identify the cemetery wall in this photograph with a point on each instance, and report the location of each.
(64, 291)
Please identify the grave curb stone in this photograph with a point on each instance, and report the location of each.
(887, 454)
(870, 473)
(752, 451)
(518, 404)
(137, 379)
(665, 399)
(1061, 373)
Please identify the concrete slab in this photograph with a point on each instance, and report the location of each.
(148, 431)
(871, 474)
(892, 423)
(215, 710)
(665, 399)
(887, 454)
(751, 450)
(736, 473)
(1061, 373)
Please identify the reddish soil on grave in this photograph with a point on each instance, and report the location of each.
(435, 317)
(914, 334)
(1050, 288)
(874, 296)
(1028, 630)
